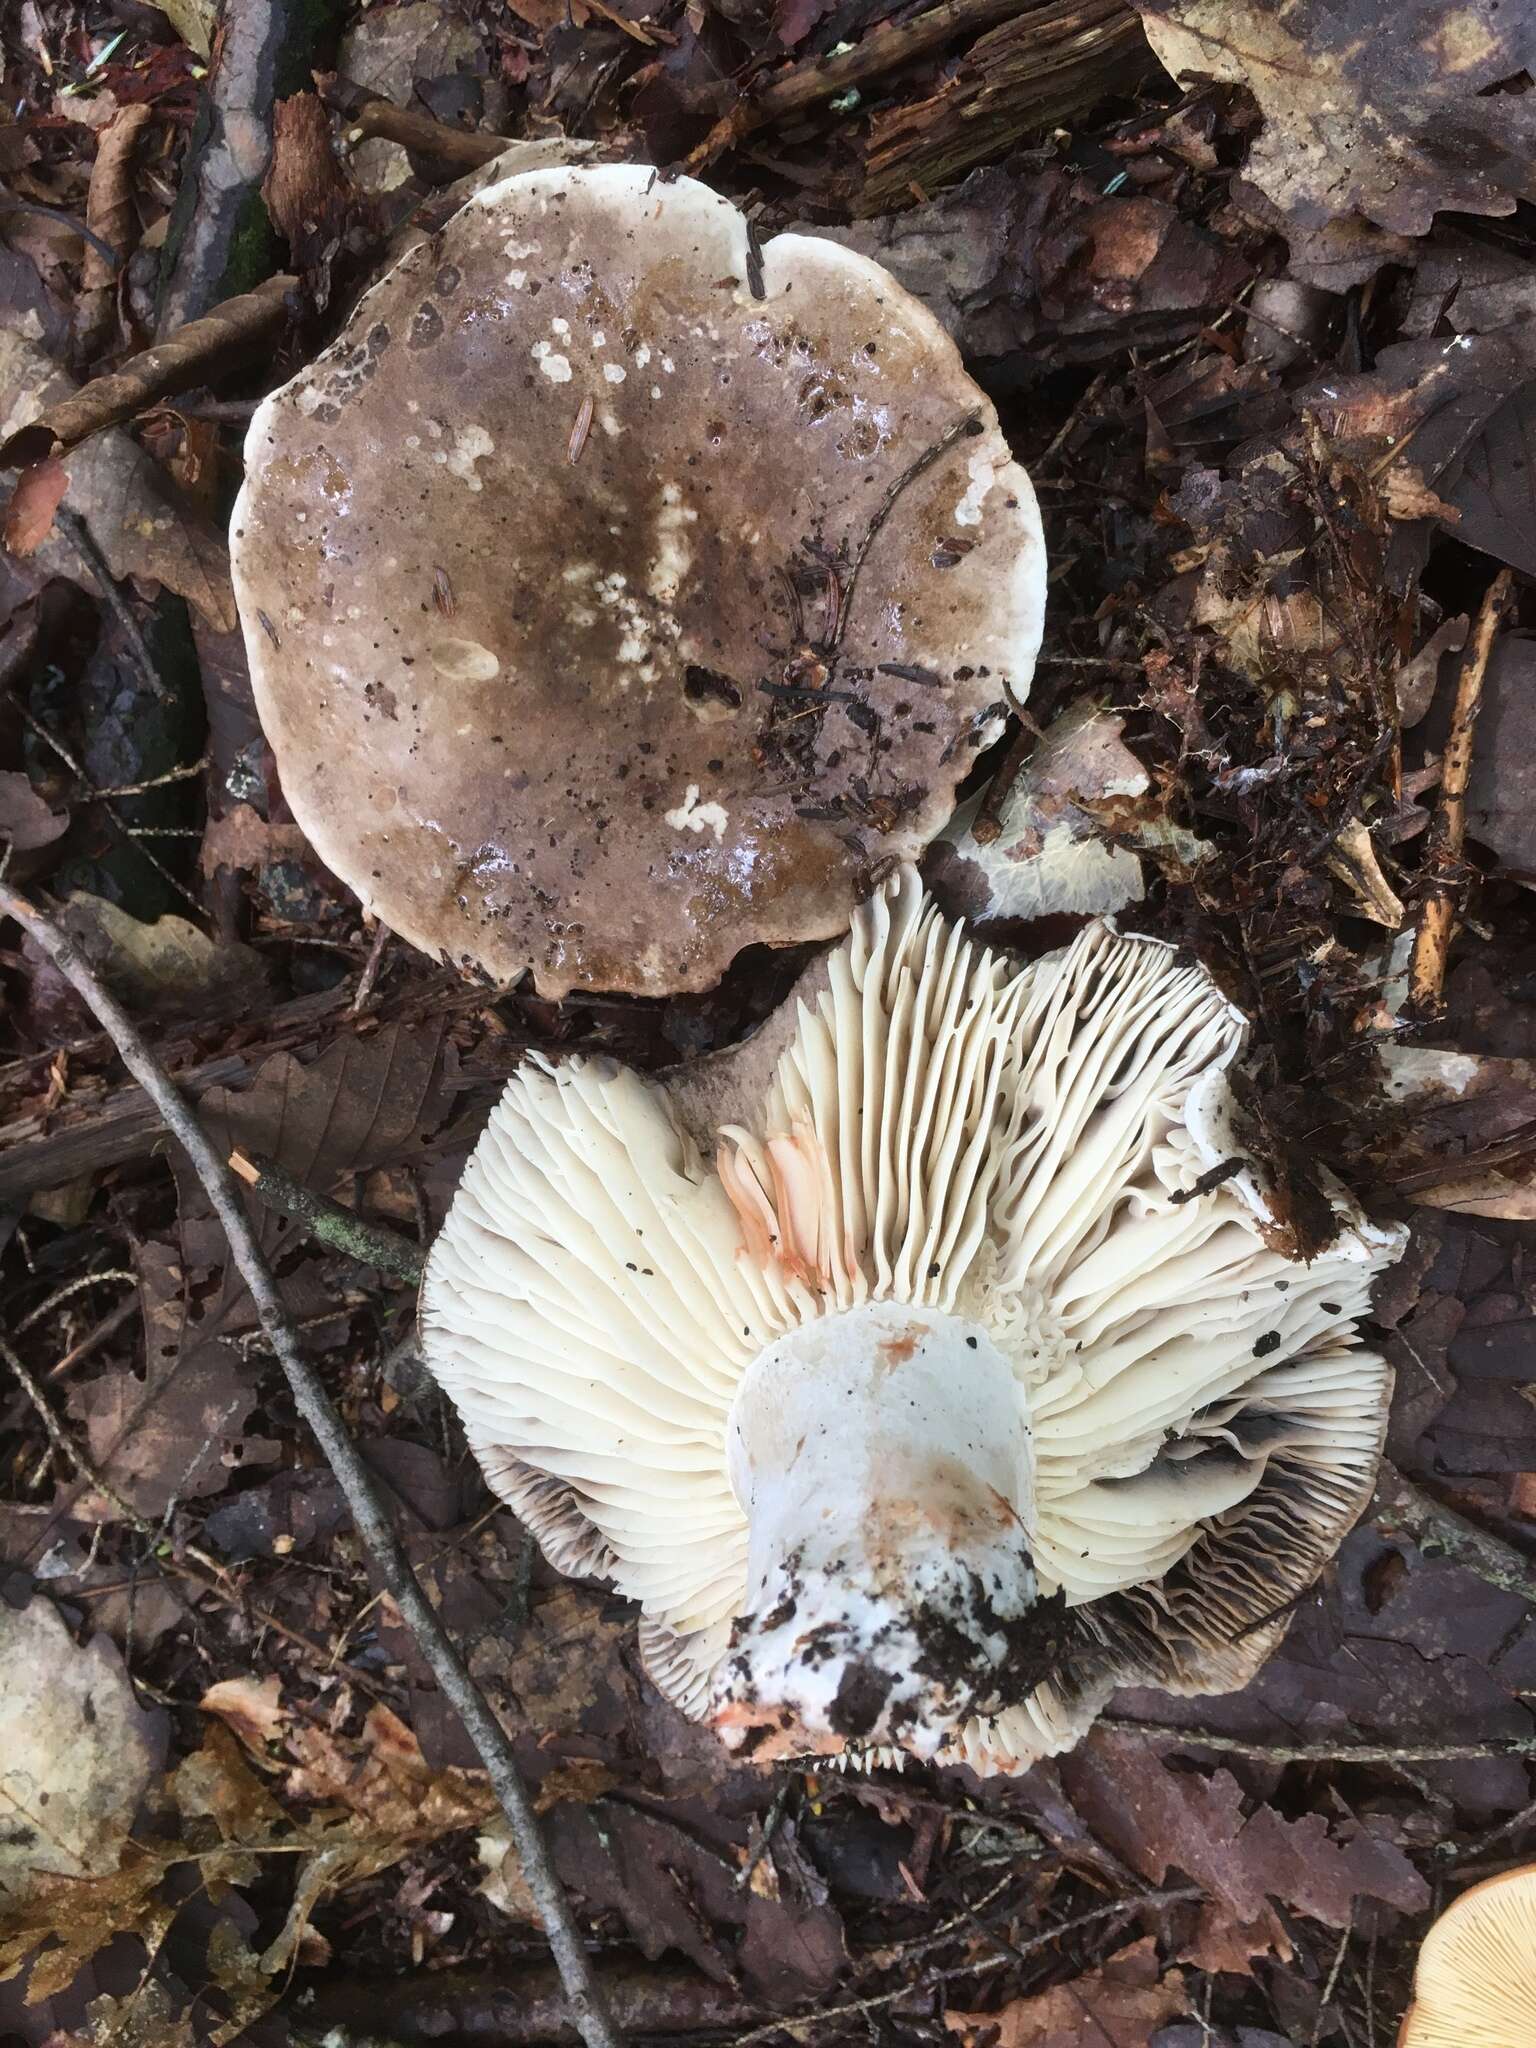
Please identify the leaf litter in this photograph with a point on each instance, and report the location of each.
(1262, 335)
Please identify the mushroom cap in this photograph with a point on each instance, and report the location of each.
(618, 593)
(1475, 1982)
(1023, 1147)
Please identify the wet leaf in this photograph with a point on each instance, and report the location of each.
(134, 514)
(165, 1436)
(77, 1753)
(25, 820)
(1360, 121)
(38, 495)
(1157, 1820)
(1116, 2006)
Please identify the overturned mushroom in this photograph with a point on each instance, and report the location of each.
(1475, 1984)
(929, 1366)
(620, 592)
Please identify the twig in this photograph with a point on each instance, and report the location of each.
(328, 1222)
(1437, 916)
(588, 2011)
(119, 822)
(86, 548)
(94, 1338)
(184, 358)
(456, 149)
(1438, 1531)
(210, 1577)
(1115, 1908)
(370, 973)
(1323, 1752)
(988, 821)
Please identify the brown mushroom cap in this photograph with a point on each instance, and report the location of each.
(1475, 1984)
(618, 595)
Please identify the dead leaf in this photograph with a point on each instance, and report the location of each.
(110, 211)
(77, 1917)
(77, 1752)
(1156, 1820)
(242, 839)
(38, 495)
(371, 1799)
(193, 20)
(1352, 857)
(165, 1436)
(1493, 494)
(167, 966)
(1416, 681)
(134, 513)
(1356, 121)
(1120, 2005)
(25, 820)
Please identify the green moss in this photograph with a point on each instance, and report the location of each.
(252, 248)
(313, 26)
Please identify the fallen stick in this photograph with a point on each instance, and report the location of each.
(328, 1223)
(191, 355)
(1402, 1508)
(456, 149)
(1437, 916)
(822, 78)
(589, 2012)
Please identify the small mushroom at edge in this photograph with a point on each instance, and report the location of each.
(927, 1367)
(619, 593)
(1475, 1982)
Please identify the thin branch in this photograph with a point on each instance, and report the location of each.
(1404, 1508)
(86, 548)
(1138, 1902)
(457, 150)
(185, 358)
(328, 1222)
(1437, 917)
(1323, 1752)
(589, 2014)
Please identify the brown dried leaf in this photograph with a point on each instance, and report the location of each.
(38, 495)
(134, 513)
(25, 820)
(165, 1437)
(242, 839)
(1357, 121)
(79, 1916)
(1156, 1820)
(77, 1752)
(1120, 2005)
(109, 208)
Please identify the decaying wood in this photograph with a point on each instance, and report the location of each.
(1437, 915)
(885, 49)
(1043, 65)
(194, 354)
(44, 1149)
(1403, 1508)
(480, 2009)
(453, 150)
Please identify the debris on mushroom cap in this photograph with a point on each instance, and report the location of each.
(619, 592)
(1069, 833)
(1475, 1984)
(958, 1376)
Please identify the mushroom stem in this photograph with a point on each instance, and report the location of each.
(884, 1463)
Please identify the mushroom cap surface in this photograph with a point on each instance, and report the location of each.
(1475, 1982)
(618, 593)
(1030, 1148)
